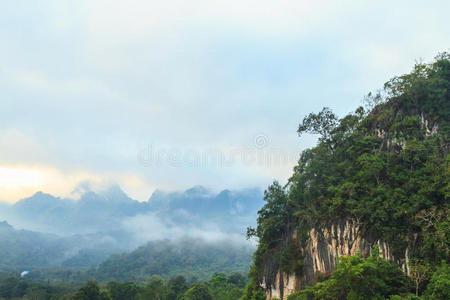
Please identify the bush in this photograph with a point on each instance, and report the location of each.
(439, 286)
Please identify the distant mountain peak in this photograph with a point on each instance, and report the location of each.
(114, 192)
(38, 198)
(41, 194)
(5, 224)
(225, 193)
(197, 191)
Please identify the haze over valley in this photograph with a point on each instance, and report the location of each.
(224, 150)
(57, 232)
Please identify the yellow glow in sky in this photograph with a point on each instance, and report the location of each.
(20, 182)
(19, 177)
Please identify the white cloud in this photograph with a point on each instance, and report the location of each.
(39, 82)
(85, 84)
(149, 227)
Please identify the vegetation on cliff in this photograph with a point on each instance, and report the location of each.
(373, 278)
(385, 167)
(358, 278)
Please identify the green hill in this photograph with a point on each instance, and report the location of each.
(384, 167)
(194, 259)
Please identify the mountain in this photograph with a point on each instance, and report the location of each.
(197, 206)
(68, 233)
(200, 201)
(106, 211)
(24, 249)
(191, 258)
(93, 212)
(378, 179)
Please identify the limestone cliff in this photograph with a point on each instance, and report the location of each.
(323, 248)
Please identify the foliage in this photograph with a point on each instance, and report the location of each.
(198, 291)
(191, 258)
(154, 289)
(439, 286)
(253, 291)
(90, 291)
(386, 169)
(322, 123)
(126, 290)
(358, 278)
(12, 287)
(218, 287)
(176, 287)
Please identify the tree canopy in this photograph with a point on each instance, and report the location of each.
(386, 168)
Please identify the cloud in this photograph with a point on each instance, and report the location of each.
(87, 84)
(150, 227)
(21, 181)
(38, 82)
(138, 19)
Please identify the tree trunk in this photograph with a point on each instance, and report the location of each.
(417, 287)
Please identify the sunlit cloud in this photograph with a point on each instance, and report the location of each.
(87, 84)
(17, 182)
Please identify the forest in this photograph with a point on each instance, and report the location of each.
(385, 167)
(219, 286)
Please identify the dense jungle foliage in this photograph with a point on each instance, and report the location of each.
(385, 167)
(373, 278)
(218, 287)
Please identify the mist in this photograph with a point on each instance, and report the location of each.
(87, 229)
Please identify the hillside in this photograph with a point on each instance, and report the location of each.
(377, 177)
(25, 249)
(194, 259)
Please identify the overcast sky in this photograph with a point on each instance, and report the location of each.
(171, 94)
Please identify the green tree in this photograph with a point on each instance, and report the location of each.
(12, 287)
(357, 278)
(90, 291)
(322, 123)
(199, 291)
(119, 291)
(419, 273)
(37, 293)
(253, 291)
(177, 286)
(439, 286)
(237, 279)
(155, 289)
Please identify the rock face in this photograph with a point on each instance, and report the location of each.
(323, 248)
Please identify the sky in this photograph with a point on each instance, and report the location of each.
(171, 94)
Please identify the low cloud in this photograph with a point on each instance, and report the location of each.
(150, 227)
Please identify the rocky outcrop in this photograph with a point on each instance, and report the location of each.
(324, 247)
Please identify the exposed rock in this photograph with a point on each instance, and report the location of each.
(430, 128)
(324, 247)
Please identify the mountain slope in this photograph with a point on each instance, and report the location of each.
(24, 249)
(192, 258)
(378, 176)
